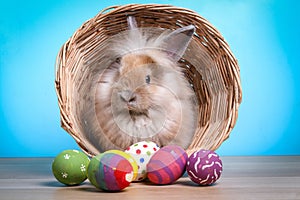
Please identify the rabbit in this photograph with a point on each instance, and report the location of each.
(143, 95)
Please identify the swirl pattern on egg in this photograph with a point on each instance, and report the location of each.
(204, 167)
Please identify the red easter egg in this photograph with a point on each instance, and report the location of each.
(167, 165)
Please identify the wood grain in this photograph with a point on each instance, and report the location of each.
(243, 178)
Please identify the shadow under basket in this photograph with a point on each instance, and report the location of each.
(209, 66)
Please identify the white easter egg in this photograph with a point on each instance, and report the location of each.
(142, 152)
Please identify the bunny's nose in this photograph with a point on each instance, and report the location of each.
(128, 96)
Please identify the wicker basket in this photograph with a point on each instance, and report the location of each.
(214, 72)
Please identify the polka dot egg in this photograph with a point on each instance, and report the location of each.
(204, 167)
(142, 152)
(70, 166)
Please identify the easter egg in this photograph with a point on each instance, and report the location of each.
(167, 165)
(93, 170)
(204, 167)
(69, 167)
(142, 152)
(130, 159)
(110, 171)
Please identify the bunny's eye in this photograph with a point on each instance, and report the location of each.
(118, 60)
(147, 79)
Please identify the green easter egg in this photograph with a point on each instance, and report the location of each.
(70, 167)
(93, 170)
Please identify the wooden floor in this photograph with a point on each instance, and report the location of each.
(242, 178)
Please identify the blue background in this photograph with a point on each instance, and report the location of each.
(263, 35)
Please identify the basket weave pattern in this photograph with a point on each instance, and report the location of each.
(213, 70)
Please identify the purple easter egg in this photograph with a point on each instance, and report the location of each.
(204, 167)
(167, 165)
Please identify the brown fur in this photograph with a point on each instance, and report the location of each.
(131, 61)
(164, 111)
(130, 109)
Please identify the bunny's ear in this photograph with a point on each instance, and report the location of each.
(131, 22)
(177, 41)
